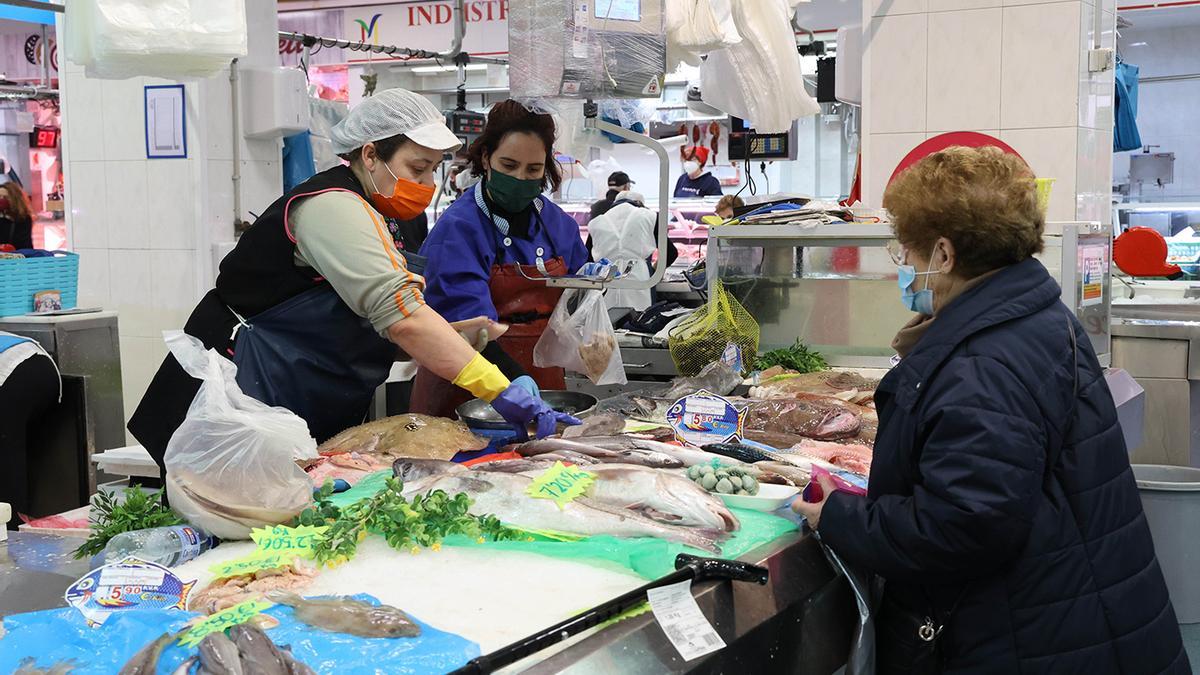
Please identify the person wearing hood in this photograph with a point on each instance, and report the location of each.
(317, 300)
(488, 253)
(695, 181)
(625, 234)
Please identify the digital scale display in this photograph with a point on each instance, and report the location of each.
(44, 137)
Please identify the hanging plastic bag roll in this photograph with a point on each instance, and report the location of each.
(582, 340)
(231, 464)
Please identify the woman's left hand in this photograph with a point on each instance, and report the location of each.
(812, 510)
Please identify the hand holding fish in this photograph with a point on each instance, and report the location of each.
(812, 510)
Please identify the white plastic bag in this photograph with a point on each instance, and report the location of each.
(231, 465)
(696, 27)
(582, 340)
(118, 39)
(759, 78)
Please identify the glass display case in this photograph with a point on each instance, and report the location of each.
(834, 286)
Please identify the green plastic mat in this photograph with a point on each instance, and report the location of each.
(645, 556)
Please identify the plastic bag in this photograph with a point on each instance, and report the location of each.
(231, 465)
(696, 27)
(582, 340)
(118, 39)
(705, 335)
(759, 79)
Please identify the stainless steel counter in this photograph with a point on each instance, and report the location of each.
(35, 570)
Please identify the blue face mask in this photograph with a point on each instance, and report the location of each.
(920, 301)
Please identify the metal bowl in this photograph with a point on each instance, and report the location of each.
(479, 414)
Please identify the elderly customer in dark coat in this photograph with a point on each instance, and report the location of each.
(1001, 502)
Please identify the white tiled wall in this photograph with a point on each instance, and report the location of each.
(1013, 69)
(144, 228)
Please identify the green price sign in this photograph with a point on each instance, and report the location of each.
(561, 483)
(255, 562)
(297, 541)
(221, 621)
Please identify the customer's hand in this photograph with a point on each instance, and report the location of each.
(812, 510)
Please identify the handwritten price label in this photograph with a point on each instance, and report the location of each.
(221, 621)
(281, 539)
(561, 483)
(255, 562)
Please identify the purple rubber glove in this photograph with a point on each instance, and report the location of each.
(520, 407)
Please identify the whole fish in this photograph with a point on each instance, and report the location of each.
(524, 465)
(821, 418)
(651, 404)
(688, 456)
(294, 665)
(145, 662)
(716, 378)
(259, 655)
(602, 424)
(219, 656)
(407, 469)
(409, 435)
(628, 454)
(347, 615)
(28, 666)
(504, 496)
(661, 496)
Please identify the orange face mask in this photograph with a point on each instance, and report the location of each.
(407, 201)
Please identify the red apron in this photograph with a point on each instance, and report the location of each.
(524, 305)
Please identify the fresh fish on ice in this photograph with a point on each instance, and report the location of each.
(145, 662)
(848, 386)
(219, 656)
(350, 616)
(504, 496)
(603, 424)
(626, 454)
(820, 418)
(409, 435)
(665, 497)
(651, 404)
(856, 458)
(259, 655)
(411, 469)
(225, 593)
(689, 456)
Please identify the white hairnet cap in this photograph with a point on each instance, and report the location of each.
(391, 112)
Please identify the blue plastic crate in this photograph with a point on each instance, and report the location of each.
(21, 278)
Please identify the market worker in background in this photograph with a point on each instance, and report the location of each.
(695, 181)
(16, 219)
(618, 182)
(29, 386)
(726, 206)
(476, 246)
(321, 297)
(1001, 502)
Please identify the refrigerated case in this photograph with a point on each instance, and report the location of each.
(833, 286)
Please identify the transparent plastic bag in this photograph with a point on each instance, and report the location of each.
(118, 39)
(759, 79)
(581, 339)
(231, 464)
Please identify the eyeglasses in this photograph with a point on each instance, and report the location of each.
(897, 251)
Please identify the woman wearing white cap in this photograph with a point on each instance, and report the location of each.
(315, 301)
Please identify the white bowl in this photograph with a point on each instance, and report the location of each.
(769, 498)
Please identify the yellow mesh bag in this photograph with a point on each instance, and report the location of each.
(703, 337)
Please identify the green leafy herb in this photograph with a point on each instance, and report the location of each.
(798, 357)
(423, 521)
(109, 517)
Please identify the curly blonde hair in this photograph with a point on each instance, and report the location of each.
(983, 200)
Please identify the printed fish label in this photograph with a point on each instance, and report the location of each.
(704, 418)
(129, 584)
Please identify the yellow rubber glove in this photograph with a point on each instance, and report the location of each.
(482, 378)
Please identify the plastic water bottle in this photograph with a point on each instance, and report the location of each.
(167, 546)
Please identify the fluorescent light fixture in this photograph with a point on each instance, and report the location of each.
(448, 69)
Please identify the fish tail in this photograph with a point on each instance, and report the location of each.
(282, 597)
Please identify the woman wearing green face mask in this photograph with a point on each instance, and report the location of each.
(477, 248)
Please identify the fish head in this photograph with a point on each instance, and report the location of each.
(392, 623)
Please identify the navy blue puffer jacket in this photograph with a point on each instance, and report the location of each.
(1049, 571)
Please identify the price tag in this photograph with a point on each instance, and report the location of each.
(221, 621)
(282, 539)
(255, 562)
(682, 621)
(127, 585)
(561, 483)
(704, 418)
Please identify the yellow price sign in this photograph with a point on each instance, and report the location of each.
(561, 483)
(221, 621)
(297, 541)
(255, 562)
